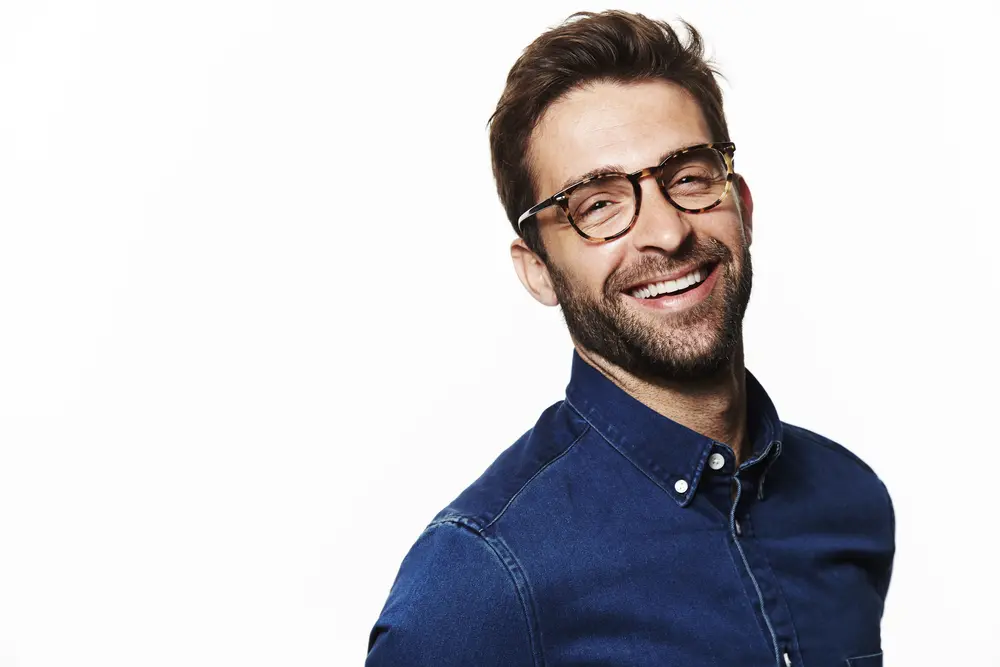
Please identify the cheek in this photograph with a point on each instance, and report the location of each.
(598, 263)
(739, 231)
(727, 228)
(585, 265)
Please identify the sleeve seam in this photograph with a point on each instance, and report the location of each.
(520, 589)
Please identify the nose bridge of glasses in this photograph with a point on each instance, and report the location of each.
(652, 177)
(658, 221)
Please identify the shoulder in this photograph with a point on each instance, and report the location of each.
(454, 602)
(830, 460)
(842, 493)
(517, 468)
(811, 439)
(460, 597)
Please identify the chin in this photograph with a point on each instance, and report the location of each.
(689, 355)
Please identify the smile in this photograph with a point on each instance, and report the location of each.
(677, 286)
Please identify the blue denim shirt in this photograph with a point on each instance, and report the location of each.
(609, 535)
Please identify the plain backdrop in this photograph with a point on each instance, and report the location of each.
(258, 321)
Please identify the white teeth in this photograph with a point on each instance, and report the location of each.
(669, 286)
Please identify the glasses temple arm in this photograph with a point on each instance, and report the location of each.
(534, 210)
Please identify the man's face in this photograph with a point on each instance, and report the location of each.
(684, 335)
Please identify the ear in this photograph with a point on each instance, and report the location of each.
(745, 201)
(533, 273)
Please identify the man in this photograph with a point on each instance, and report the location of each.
(661, 514)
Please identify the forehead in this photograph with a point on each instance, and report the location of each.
(627, 126)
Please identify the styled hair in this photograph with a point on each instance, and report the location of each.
(608, 46)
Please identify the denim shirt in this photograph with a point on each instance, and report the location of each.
(611, 535)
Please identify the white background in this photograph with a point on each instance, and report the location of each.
(258, 322)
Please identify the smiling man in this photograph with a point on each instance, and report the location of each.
(661, 514)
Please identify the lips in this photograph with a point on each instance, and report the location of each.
(672, 285)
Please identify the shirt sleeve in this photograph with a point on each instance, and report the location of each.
(454, 603)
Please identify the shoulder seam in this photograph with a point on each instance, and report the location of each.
(537, 473)
(522, 592)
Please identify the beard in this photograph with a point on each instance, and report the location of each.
(694, 344)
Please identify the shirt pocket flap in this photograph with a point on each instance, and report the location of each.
(873, 660)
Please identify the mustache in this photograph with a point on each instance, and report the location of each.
(649, 266)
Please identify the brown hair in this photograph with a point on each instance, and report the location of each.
(587, 47)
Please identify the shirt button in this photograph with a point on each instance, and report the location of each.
(716, 461)
(681, 486)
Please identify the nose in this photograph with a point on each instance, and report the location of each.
(660, 225)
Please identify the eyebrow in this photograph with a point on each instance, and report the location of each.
(611, 168)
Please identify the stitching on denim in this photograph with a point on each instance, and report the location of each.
(739, 569)
(850, 661)
(737, 565)
(522, 593)
(527, 599)
(622, 454)
(537, 473)
(767, 467)
(753, 577)
(696, 476)
(458, 520)
(780, 592)
(766, 454)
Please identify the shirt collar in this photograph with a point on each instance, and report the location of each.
(665, 451)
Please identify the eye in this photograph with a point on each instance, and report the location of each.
(600, 200)
(598, 205)
(690, 178)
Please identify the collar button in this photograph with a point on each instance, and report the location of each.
(681, 486)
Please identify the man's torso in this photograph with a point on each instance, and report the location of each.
(614, 535)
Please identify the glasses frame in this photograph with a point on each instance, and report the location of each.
(561, 198)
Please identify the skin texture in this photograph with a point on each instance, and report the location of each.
(685, 363)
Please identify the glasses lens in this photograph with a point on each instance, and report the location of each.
(695, 179)
(602, 207)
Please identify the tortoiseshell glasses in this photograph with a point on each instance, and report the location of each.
(603, 207)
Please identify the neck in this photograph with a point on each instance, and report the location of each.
(715, 406)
